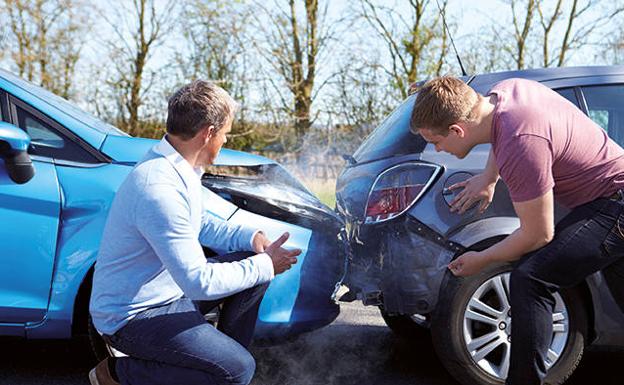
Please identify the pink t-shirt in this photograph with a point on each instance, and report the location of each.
(541, 141)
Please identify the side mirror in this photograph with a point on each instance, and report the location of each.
(14, 151)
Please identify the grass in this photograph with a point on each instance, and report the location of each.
(324, 189)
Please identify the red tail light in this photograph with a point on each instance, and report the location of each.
(397, 189)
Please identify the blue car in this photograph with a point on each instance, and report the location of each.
(59, 171)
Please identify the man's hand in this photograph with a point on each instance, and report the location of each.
(282, 259)
(479, 188)
(260, 242)
(469, 263)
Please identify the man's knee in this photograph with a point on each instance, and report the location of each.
(241, 369)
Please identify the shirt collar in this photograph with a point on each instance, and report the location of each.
(184, 168)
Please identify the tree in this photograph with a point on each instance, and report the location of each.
(46, 39)
(218, 50)
(522, 27)
(410, 42)
(356, 103)
(566, 27)
(574, 36)
(137, 30)
(293, 47)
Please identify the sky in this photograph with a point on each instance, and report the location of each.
(466, 18)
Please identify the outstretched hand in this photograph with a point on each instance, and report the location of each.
(282, 259)
(469, 263)
(476, 189)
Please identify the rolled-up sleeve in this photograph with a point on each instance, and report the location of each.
(164, 221)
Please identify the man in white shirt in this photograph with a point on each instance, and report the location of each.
(151, 265)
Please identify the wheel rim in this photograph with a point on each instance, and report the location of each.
(487, 327)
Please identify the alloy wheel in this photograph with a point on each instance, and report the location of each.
(487, 327)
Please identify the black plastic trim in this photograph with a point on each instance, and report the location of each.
(16, 102)
(4, 106)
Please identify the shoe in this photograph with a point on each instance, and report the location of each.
(100, 375)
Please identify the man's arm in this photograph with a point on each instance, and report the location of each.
(537, 228)
(164, 221)
(222, 235)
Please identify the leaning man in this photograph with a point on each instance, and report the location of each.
(545, 150)
(151, 275)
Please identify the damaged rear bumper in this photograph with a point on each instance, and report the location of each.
(398, 265)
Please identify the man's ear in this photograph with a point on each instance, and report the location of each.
(208, 132)
(458, 130)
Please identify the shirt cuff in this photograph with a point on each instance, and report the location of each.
(265, 266)
(252, 238)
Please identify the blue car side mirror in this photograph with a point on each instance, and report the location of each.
(14, 151)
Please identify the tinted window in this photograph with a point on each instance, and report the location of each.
(605, 107)
(49, 142)
(392, 136)
(568, 93)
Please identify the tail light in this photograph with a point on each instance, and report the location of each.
(397, 189)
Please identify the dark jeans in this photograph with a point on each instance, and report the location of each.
(173, 344)
(590, 238)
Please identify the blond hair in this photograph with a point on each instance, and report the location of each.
(441, 102)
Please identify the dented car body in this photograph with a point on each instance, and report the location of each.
(394, 198)
(53, 223)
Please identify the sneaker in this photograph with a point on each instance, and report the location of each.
(100, 375)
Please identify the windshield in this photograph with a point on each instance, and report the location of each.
(63, 105)
(392, 137)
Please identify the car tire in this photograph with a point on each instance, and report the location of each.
(450, 325)
(404, 326)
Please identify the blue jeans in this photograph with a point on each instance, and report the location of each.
(590, 238)
(173, 344)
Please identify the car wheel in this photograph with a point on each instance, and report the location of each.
(472, 324)
(405, 326)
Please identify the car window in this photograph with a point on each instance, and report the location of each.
(568, 93)
(605, 107)
(392, 137)
(46, 141)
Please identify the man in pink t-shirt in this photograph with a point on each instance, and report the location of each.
(545, 150)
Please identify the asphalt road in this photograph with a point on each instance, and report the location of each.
(356, 349)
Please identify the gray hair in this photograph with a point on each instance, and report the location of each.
(197, 105)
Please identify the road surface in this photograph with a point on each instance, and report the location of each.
(356, 349)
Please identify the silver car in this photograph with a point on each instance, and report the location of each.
(394, 197)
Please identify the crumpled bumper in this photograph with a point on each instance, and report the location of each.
(398, 265)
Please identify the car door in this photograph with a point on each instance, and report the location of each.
(28, 230)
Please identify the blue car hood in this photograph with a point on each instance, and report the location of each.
(126, 149)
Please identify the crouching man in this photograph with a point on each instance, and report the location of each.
(151, 267)
(545, 150)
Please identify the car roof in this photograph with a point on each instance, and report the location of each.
(485, 81)
(67, 113)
